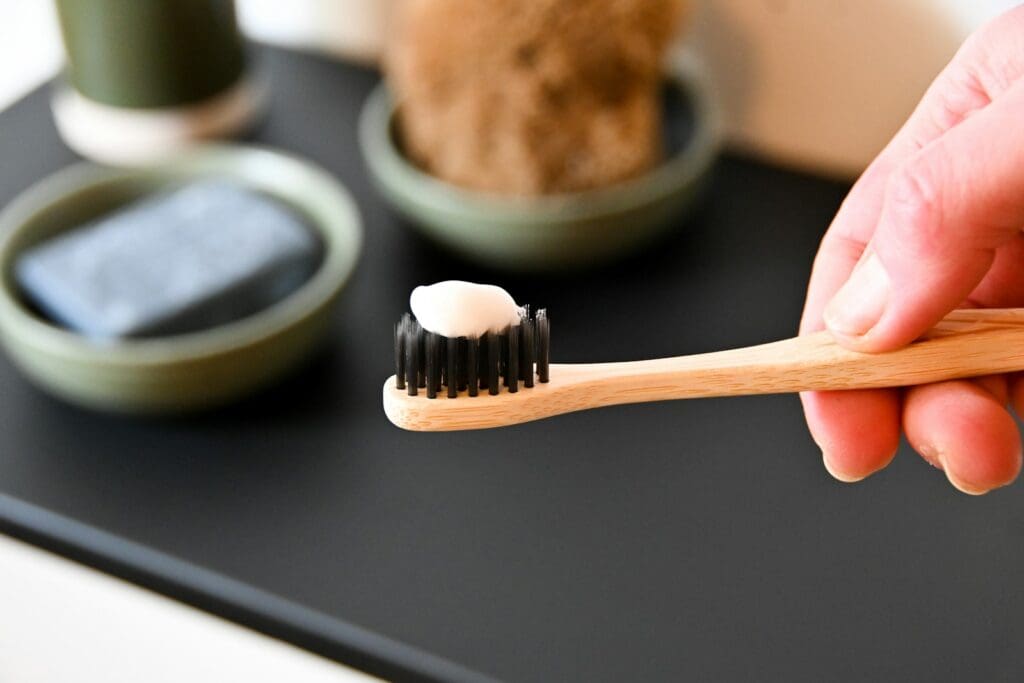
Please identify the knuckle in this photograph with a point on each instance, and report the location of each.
(964, 94)
(994, 54)
(915, 187)
(915, 197)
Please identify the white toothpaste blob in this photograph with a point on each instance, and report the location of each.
(455, 308)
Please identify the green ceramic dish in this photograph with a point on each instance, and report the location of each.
(549, 232)
(190, 371)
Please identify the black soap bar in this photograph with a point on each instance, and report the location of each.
(205, 254)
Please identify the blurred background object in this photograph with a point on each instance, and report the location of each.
(144, 79)
(349, 29)
(541, 136)
(150, 55)
(236, 350)
(546, 97)
(553, 232)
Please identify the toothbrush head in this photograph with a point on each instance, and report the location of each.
(428, 364)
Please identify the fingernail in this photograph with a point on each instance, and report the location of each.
(958, 484)
(836, 474)
(964, 487)
(858, 305)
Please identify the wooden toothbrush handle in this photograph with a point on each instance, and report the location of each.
(967, 343)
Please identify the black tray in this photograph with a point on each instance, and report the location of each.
(685, 541)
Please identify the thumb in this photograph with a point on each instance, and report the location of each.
(946, 211)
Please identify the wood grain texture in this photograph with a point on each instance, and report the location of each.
(967, 343)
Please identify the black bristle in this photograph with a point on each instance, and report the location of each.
(452, 367)
(442, 349)
(433, 364)
(493, 360)
(400, 353)
(513, 357)
(460, 369)
(543, 345)
(484, 363)
(527, 352)
(512, 373)
(525, 330)
(412, 358)
(473, 366)
(421, 343)
(503, 364)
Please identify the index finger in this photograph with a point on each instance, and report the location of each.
(857, 431)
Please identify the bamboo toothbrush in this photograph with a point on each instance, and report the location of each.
(481, 377)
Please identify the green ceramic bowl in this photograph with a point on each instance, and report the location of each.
(191, 371)
(554, 231)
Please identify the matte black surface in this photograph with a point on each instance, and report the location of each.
(686, 541)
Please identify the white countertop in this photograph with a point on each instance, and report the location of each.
(61, 621)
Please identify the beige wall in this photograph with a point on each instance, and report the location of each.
(823, 84)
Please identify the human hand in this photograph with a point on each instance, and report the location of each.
(935, 223)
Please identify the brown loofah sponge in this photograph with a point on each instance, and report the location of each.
(531, 97)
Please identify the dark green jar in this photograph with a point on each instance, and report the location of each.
(151, 53)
